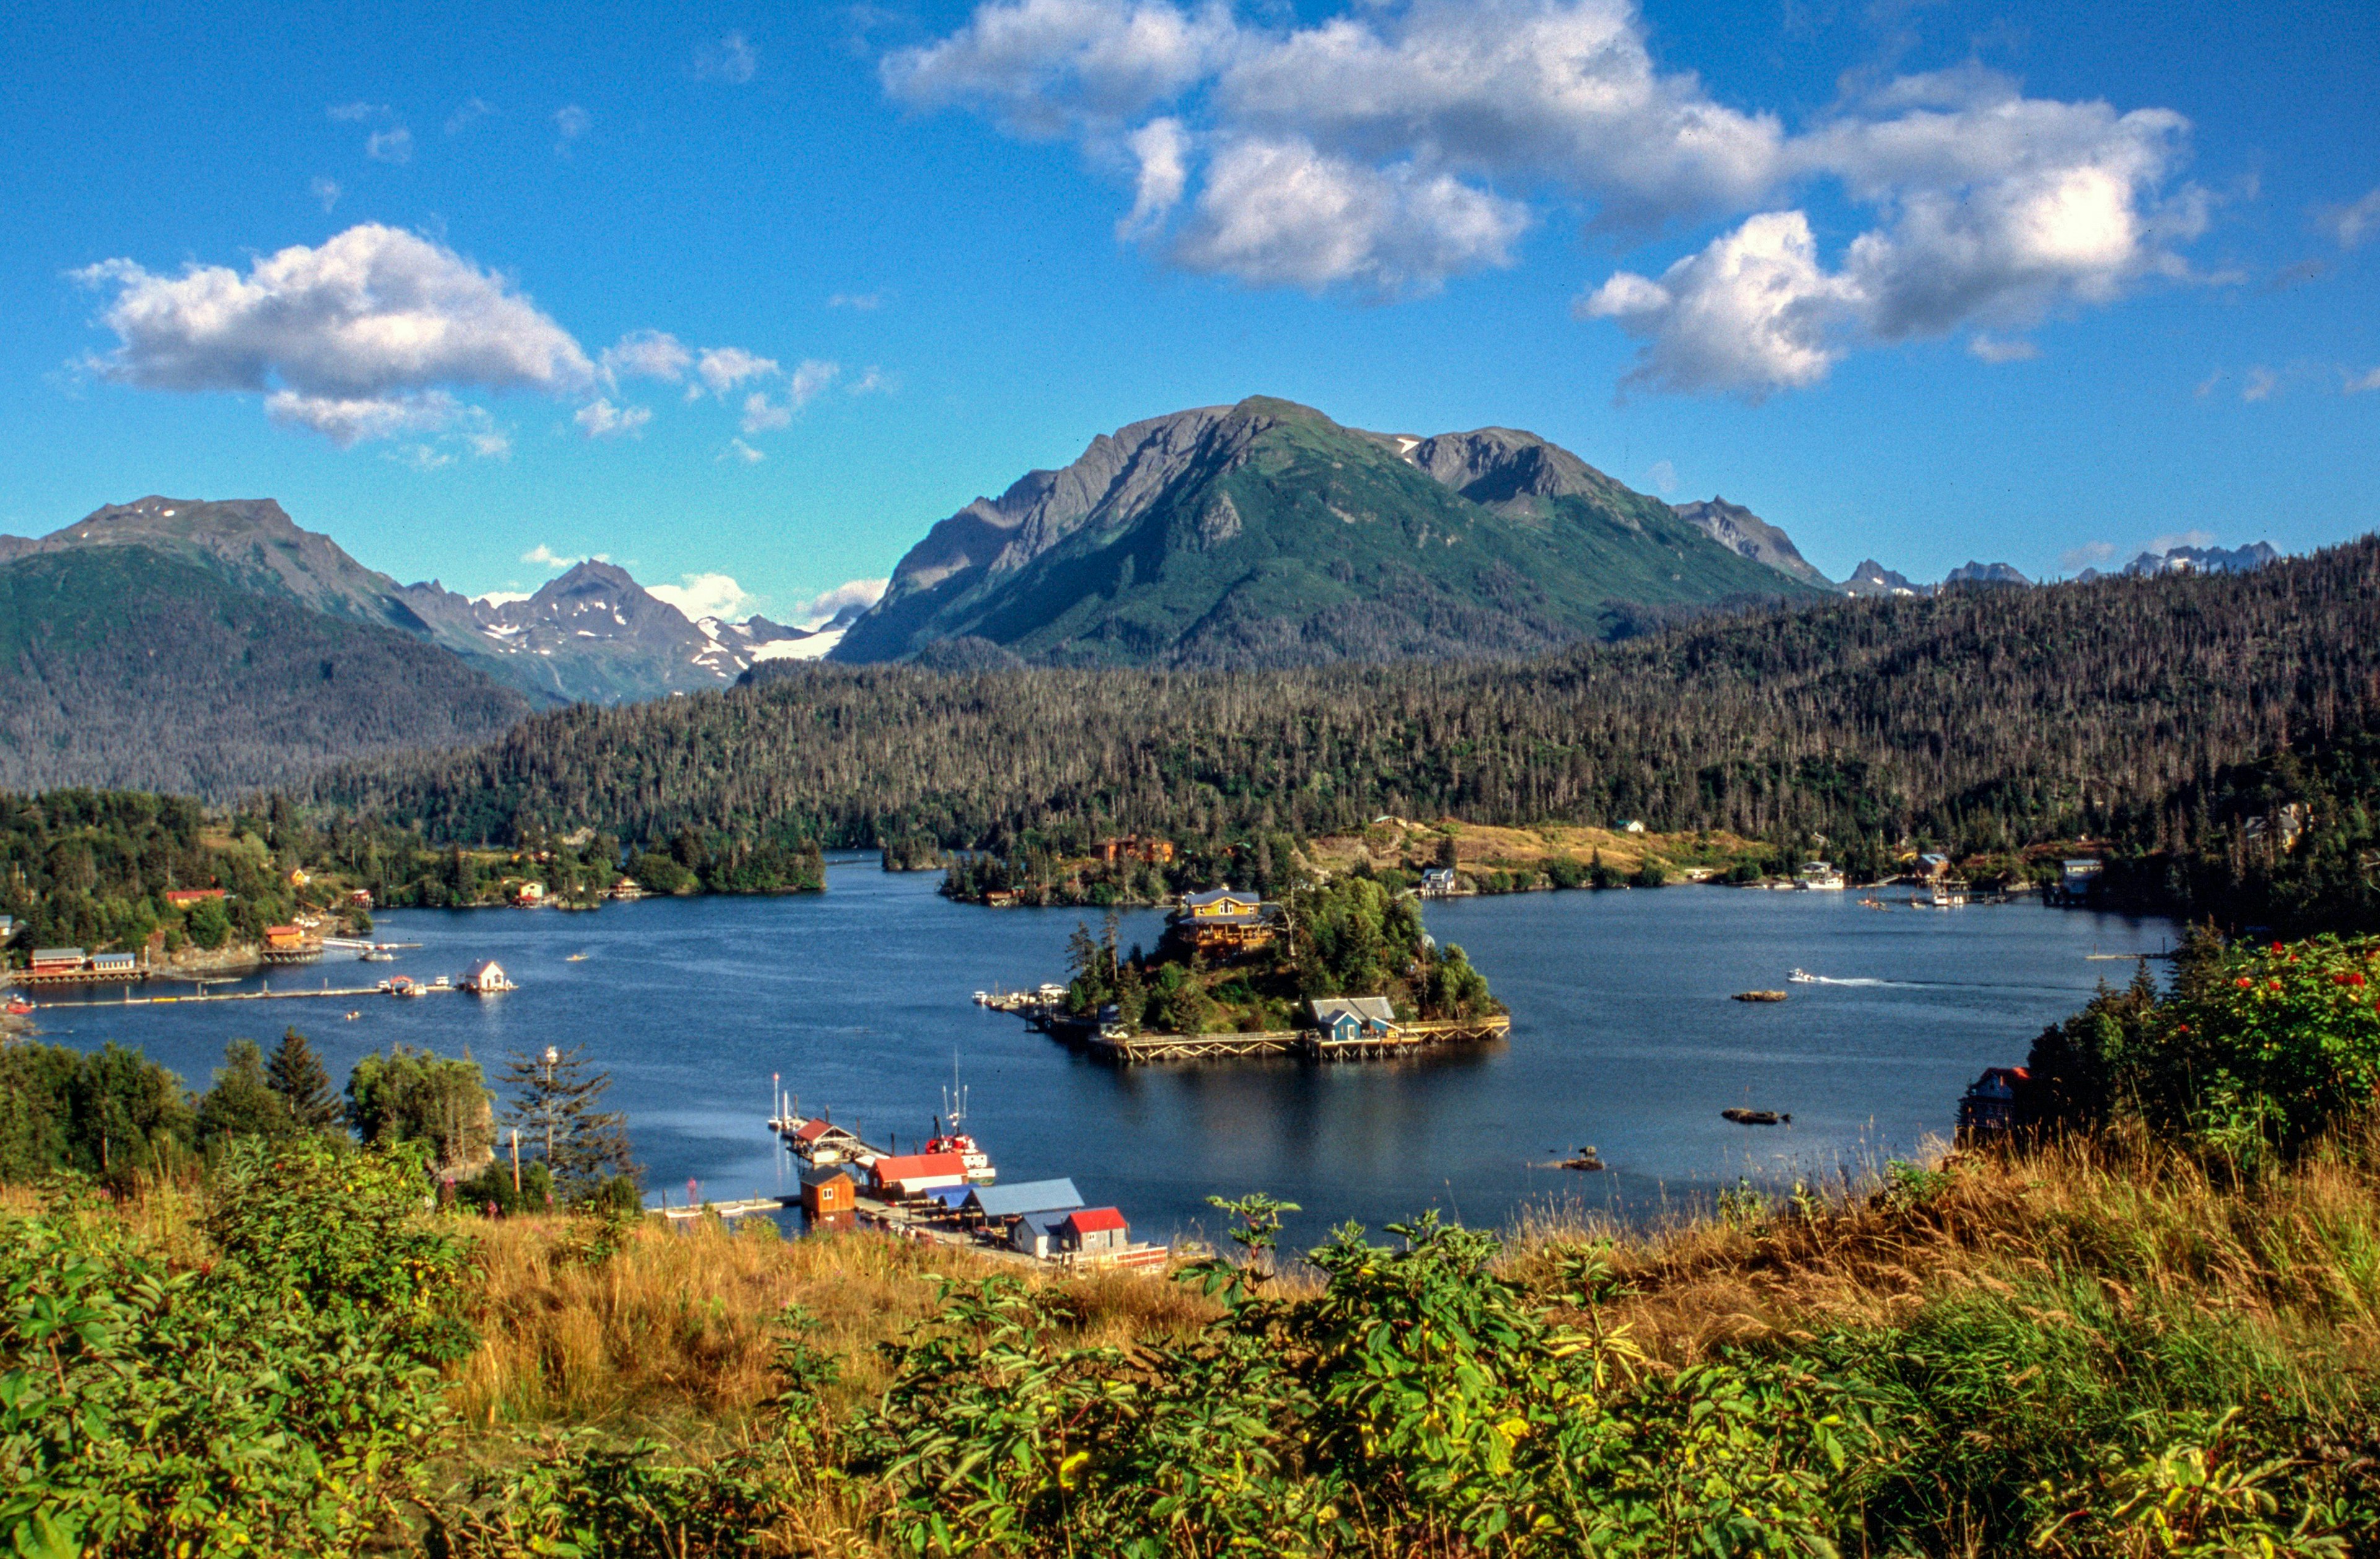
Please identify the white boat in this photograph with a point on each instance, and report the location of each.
(1800, 977)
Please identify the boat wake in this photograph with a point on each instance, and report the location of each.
(1896, 985)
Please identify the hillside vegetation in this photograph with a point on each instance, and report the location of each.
(125, 668)
(1979, 720)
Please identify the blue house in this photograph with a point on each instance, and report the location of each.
(1345, 1019)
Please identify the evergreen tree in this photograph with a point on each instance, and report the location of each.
(412, 1095)
(243, 1102)
(297, 1075)
(556, 1108)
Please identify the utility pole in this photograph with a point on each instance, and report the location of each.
(546, 1106)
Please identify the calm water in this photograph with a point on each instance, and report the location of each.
(1623, 1037)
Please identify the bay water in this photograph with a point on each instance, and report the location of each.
(860, 999)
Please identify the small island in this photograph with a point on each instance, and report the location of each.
(1336, 967)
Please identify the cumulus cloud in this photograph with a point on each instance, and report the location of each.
(739, 451)
(1162, 148)
(1663, 476)
(2260, 385)
(2359, 382)
(820, 609)
(463, 119)
(391, 145)
(1754, 312)
(722, 369)
(377, 334)
(2091, 554)
(545, 557)
(2160, 545)
(645, 355)
(366, 336)
(356, 113)
(327, 191)
(762, 415)
(707, 595)
(2351, 223)
(1404, 142)
(598, 418)
(732, 59)
(1281, 214)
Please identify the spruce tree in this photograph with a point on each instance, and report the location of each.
(556, 1108)
(242, 1103)
(296, 1074)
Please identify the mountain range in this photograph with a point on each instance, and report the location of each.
(1266, 534)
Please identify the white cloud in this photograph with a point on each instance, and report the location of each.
(2353, 222)
(1754, 312)
(1999, 349)
(732, 59)
(724, 367)
(872, 380)
(327, 191)
(2206, 386)
(463, 119)
(545, 557)
(645, 355)
(738, 449)
(2091, 554)
(1663, 476)
(2260, 385)
(2160, 545)
(391, 145)
(363, 337)
(1280, 213)
(2359, 382)
(501, 598)
(1160, 147)
(420, 457)
(853, 592)
(762, 414)
(570, 121)
(356, 113)
(598, 418)
(863, 302)
(346, 420)
(1402, 142)
(707, 595)
(810, 377)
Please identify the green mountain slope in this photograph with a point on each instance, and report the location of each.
(124, 667)
(1265, 534)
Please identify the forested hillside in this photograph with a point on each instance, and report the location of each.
(1978, 719)
(122, 667)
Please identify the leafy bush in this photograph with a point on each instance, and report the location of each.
(274, 1398)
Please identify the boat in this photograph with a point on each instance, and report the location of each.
(1949, 895)
(576, 958)
(353, 1016)
(1587, 1159)
(1800, 977)
(1758, 995)
(1756, 1118)
(949, 1137)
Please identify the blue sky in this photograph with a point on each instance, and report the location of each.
(1919, 282)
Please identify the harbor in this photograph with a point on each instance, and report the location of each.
(949, 1193)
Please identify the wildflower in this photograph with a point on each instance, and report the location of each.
(2244, 981)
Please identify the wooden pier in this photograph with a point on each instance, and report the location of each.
(342, 992)
(1403, 1040)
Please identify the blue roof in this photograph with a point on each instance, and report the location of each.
(951, 1196)
(1030, 1196)
(1047, 1223)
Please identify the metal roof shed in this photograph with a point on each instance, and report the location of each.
(1029, 1196)
(1036, 1234)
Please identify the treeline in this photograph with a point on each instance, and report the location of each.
(1974, 721)
(119, 1118)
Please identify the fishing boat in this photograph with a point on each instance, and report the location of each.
(576, 958)
(950, 1135)
(1802, 977)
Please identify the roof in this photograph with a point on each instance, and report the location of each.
(1368, 1009)
(1215, 896)
(111, 958)
(57, 955)
(811, 1130)
(1029, 1196)
(825, 1175)
(951, 1196)
(486, 966)
(1096, 1220)
(1047, 1223)
(917, 1166)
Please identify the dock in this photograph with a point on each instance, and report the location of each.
(1405, 1039)
(342, 992)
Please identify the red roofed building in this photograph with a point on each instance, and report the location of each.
(1093, 1231)
(916, 1174)
(183, 898)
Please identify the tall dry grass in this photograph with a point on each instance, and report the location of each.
(677, 1330)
